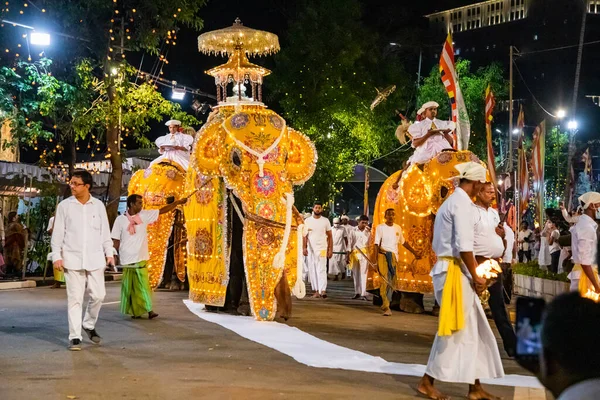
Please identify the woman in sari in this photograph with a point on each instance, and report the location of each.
(16, 237)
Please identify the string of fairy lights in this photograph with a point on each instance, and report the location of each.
(120, 32)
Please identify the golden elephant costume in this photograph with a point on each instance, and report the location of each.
(422, 190)
(156, 184)
(247, 149)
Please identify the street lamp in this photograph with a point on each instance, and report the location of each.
(178, 94)
(572, 125)
(39, 38)
(515, 131)
(560, 114)
(498, 130)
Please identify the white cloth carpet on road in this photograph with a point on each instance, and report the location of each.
(314, 352)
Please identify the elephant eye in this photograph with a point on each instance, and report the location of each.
(235, 158)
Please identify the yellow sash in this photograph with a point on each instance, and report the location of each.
(355, 256)
(584, 282)
(452, 316)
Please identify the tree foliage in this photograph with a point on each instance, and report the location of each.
(473, 85)
(325, 79)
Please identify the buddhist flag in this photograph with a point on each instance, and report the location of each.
(523, 169)
(459, 111)
(538, 154)
(366, 194)
(490, 103)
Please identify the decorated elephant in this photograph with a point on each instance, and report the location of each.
(157, 185)
(248, 150)
(422, 190)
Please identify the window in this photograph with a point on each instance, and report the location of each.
(478, 10)
(469, 12)
(497, 6)
(460, 14)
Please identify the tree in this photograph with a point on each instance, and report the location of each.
(325, 79)
(473, 85)
(556, 165)
(583, 185)
(104, 31)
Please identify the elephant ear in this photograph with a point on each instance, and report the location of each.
(301, 157)
(209, 147)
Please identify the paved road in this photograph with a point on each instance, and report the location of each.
(180, 356)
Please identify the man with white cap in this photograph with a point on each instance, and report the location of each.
(175, 147)
(337, 264)
(429, 136)
(464, 349)
(584, 246)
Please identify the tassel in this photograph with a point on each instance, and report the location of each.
(279, 259)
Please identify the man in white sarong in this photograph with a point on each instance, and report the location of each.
(584, 246)
(337, 264)
(358, 262)
(317, 247)
(175, 147)
(430, 136)
(464, 349)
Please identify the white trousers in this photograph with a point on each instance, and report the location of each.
(317, 270)
(471, 353)
(337, 264)
(359, 273)
(76, 284)
(574, 287)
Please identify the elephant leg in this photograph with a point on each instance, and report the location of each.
(284, 298)
(412, 303)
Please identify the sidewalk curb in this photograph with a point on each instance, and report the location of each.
(37, 281)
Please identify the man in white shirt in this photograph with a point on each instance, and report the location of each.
(524, 240)
(464, 349)
(568, 363)
(430, 136)
(82, 248)
(339, 236)
(358, 262)
(584, 246)
(489, 244)
(554, 247)
(318, 247)
(388, 239)
(175, 147)
(130, 239)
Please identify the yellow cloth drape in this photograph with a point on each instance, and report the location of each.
(584, 282)
(385, 290)
(452, 316)
(355, 256)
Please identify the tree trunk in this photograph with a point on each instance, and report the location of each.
(113, 144)
(71, 160)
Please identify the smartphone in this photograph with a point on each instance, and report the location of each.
(529, 326)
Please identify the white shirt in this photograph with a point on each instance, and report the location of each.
(487, 243)
(524, 235)
(569, 219)
(453, 230)
(388, 238)
(584, 241)
(554, 247)
(133, 248)
(338, 235)
(81, 235)
(50, 224)
(178, 156)
(316, 231)
(360, 238)
(432, 146)
(509, 236)
(586, 390)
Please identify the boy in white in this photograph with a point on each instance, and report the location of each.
(130, 240)
(82, 248)
(388, 238)
(337, 264)
(175, 147)
(464, 348)
(430, 136)
(317, 247)
(584, 246)
(359, 264)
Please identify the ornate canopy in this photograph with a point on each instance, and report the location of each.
(228, 40)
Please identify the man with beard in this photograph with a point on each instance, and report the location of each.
(318, 247)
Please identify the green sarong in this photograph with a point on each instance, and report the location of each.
(136, 295)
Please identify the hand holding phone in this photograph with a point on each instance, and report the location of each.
(528, 329)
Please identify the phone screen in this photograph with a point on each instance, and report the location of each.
(529, 325)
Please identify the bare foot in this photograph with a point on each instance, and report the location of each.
(55, 286)
(152, 315)
(427, 389)
(387, 312)
(316, 295)
(323, 295)
(476, 392)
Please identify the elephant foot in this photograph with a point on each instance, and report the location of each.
(175, 284)
(412, 303)
(284, 298)
(244, 309)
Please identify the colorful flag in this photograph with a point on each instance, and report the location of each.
(523, 169)
(538, 155)
(490, 103)
(587, 161)
(366, 194)
(459, 111)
